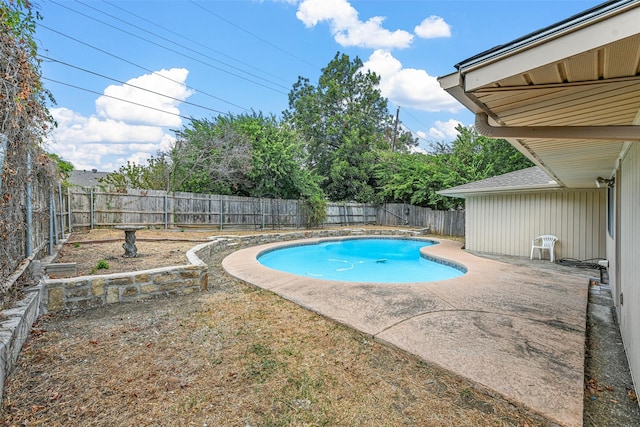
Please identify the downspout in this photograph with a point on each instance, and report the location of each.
(603, 133)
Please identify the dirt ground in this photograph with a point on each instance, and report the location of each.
(232, 356)
(155, 249)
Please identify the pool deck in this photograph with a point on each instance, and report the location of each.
(518, 330)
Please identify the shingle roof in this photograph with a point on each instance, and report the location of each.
(532, 178)
(84, 178)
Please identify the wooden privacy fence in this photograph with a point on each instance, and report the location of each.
(447, 223)
(153, 208)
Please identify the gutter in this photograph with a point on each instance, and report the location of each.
(601, 133)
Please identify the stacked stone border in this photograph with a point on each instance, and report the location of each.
(78, 293)
(84, 292)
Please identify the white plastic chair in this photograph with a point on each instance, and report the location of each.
(542, 243)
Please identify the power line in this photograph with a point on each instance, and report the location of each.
(173, 50)
(137, 65)
(129, 84)
(202, 45)
(253, 35)
(115, 97)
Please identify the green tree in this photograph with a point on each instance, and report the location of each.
(345, 122)
(152, 176)
(409, 178)
(415, 178)
(211, 156)
(247, 154)
(472, 157)
(278, 159)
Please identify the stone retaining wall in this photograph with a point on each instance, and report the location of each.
(15, 328)
(94, 291)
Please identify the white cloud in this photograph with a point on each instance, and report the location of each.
(120, 131)
(409, 87)
(444, 131)
(418, 149)
(166, 82)
(74, 128)
(347, 28)
(433, 27)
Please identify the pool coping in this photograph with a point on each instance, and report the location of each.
(513, 330)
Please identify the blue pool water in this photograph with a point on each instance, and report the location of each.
(360, 260)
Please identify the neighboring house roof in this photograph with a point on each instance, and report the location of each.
(567, 96)
(530, 179)
(86, 178)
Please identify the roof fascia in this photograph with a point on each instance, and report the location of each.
(454, 85)
(553, 45)
(463, 193)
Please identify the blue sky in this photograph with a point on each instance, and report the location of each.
(204, 58)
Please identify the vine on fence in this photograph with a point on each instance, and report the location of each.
(24, 121)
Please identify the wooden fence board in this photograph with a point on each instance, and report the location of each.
(93, 208)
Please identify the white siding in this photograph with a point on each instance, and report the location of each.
(505, 224)
(629, 256)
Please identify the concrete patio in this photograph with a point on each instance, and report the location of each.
(518, 330)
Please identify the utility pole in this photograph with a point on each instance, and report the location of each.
(395, 132)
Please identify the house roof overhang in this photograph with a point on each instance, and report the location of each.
(517, 182)
(566, 96)
(464, 193)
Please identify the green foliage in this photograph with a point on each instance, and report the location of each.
(415, 178)
(337, 141)
(64, 167)
(246, 155)
(409, 178)
(17, 17)
(316, 210)
(472, 157)
(211, 156)
(277, 160)
(152, 176)
(101, 265)
(345, 121)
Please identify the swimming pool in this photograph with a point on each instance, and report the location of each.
(389, 260)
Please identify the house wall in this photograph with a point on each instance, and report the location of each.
(505, 224)
(629, 253)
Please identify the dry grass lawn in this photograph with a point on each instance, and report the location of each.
(232, 356)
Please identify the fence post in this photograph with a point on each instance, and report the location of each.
(221, 208)
(69, 209)
(210, 208)
(262, 212)
(91, 209)
(51, 219)
(61, 209)
(55, 217)
(29, 213)
(166, 211)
